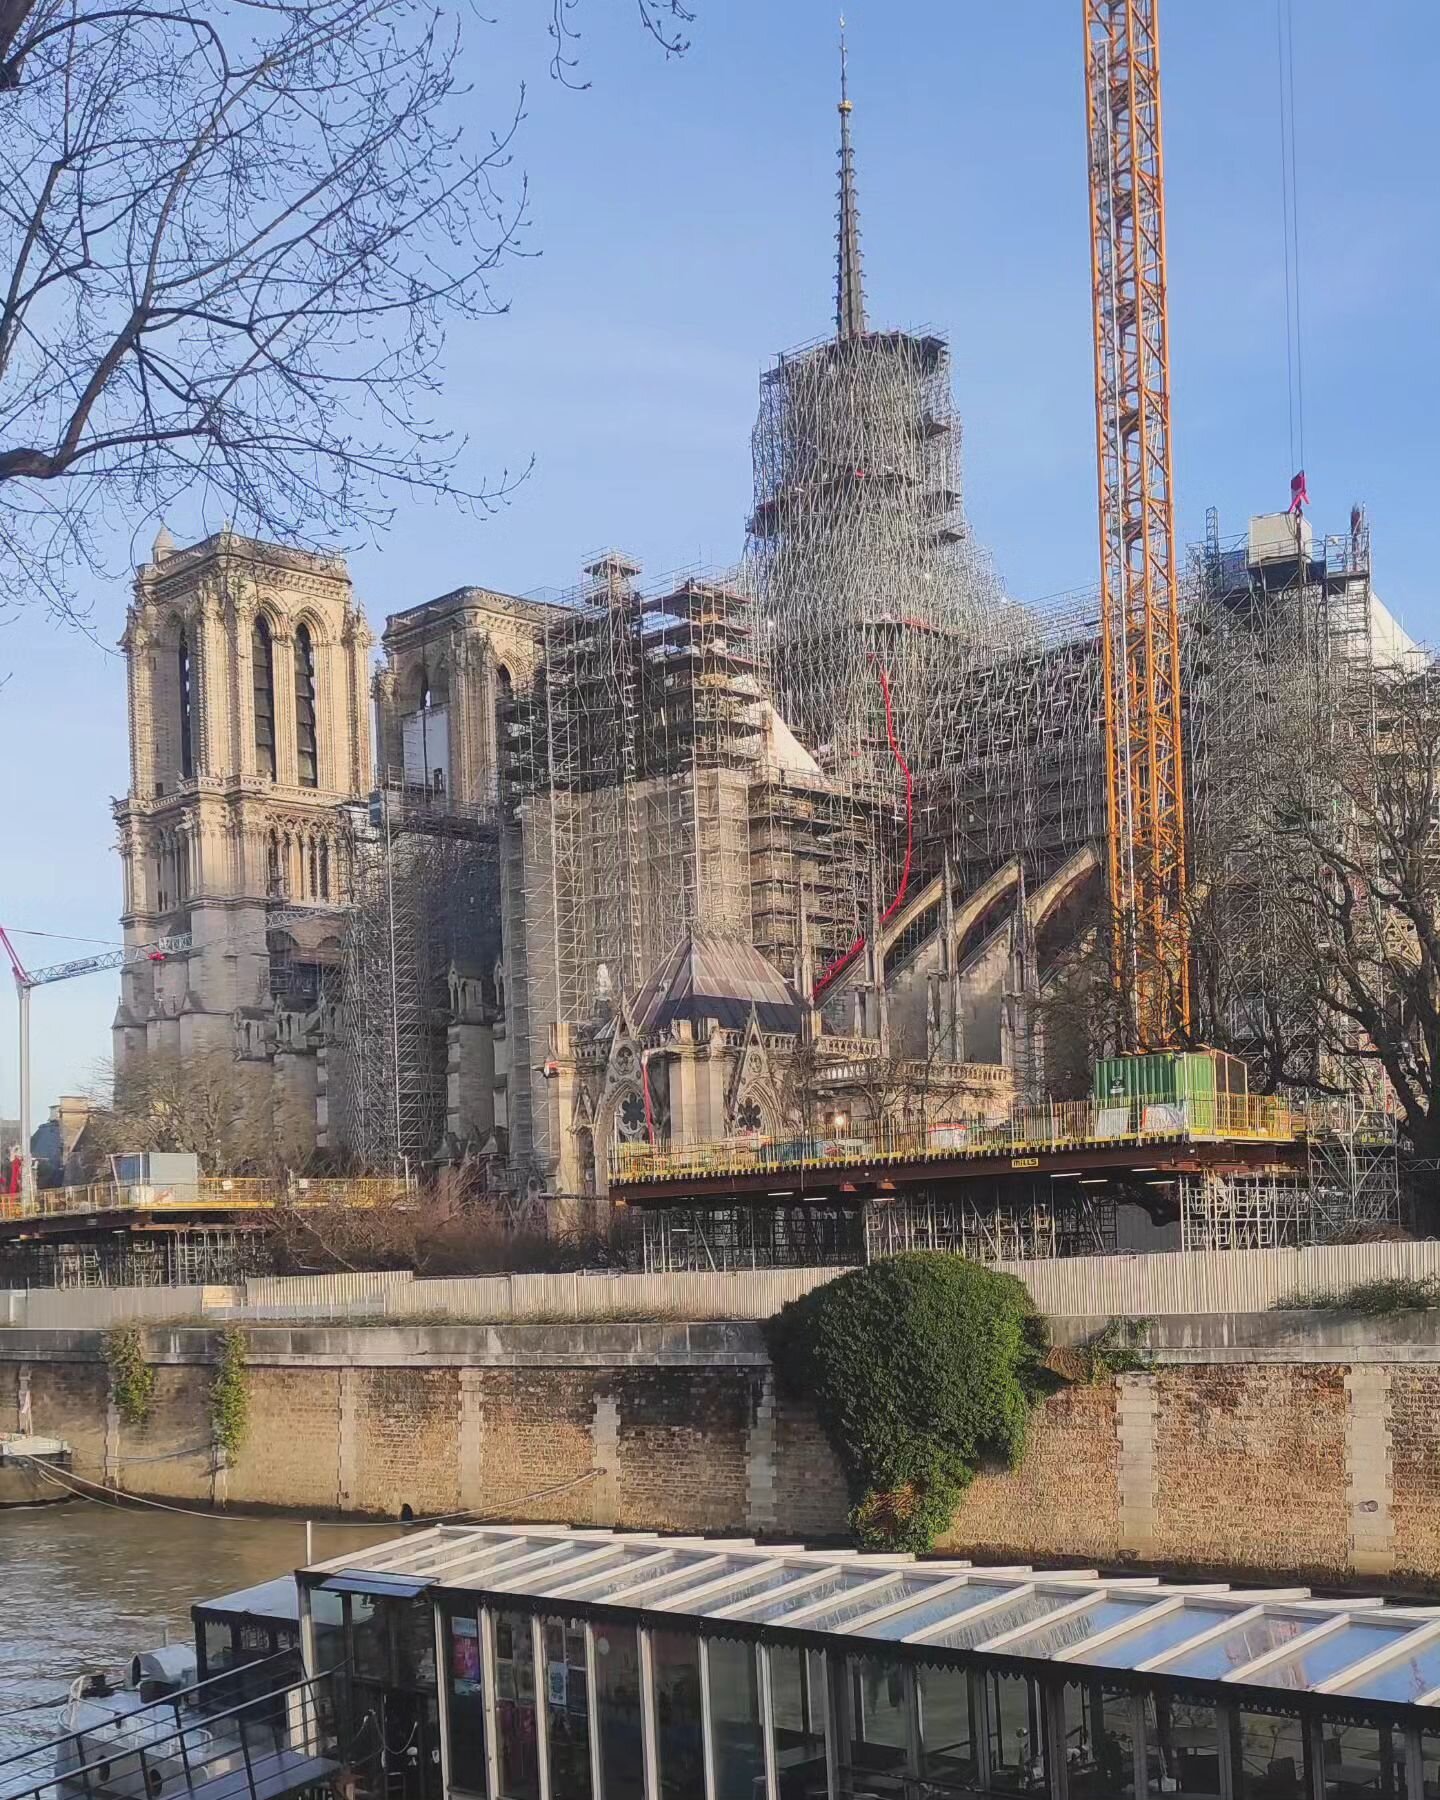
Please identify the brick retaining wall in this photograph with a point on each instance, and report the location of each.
(1282, 1445)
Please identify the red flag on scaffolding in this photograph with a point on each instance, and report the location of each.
(1299, 494)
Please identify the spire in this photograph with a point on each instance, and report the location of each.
(849, 276)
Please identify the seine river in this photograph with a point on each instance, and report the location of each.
(88, 1583)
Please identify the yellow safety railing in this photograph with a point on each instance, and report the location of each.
(1029, 1131)
(212, 1193)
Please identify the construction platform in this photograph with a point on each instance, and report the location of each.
(138, 1206)
(1217, 1135)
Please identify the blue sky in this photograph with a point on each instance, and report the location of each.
(682, 232)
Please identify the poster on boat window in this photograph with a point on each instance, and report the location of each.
(555, 1685)
(465, 1656)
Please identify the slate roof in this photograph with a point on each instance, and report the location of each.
(706, 978)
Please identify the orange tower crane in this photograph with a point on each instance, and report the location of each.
(1139, 592)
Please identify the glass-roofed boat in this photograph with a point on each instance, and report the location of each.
(543, 1663)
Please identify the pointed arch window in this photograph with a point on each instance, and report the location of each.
(262, 663)
(183, 680)
(305, 708)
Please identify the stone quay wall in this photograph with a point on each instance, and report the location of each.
(1290, 1446)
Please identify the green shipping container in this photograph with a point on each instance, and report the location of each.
(1167, 1076)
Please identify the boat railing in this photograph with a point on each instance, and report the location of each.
(259, 1748)
(219, 1683)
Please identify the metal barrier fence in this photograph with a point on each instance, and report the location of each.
(1140, 1286)
(1030, 1130)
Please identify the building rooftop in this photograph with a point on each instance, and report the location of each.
(427, 613)
(1282, 1638)
(706, 978)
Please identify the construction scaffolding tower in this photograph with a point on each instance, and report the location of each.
(627, 768)
(425, 906)
(649, 791)
(704, 1239)
(1244, 1212)
(1353, 1157)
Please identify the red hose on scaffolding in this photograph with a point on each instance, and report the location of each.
(846, 957)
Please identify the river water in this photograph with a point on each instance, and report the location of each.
(88, 1583)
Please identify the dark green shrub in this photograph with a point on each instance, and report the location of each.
(921, 1367)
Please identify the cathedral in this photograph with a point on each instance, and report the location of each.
(810, 848)
(555, 877)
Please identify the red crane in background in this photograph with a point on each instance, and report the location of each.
(1139, 578)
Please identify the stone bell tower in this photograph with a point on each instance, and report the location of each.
(248, 670)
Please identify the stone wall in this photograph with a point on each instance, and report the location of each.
(1286, 1448)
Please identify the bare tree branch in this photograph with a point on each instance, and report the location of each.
(232, 241)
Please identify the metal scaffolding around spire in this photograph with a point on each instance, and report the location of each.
(849, 269)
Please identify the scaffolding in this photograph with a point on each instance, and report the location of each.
(627, 772)
(186, 1255)
(650, 790)
(425, 906)
(1020, 771)
(1244, 1212)
(1008, 1229)
(1353, 1155)
(704, 1239)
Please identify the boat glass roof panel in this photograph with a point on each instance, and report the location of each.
(1408, 1678)
(1090, 1621)
(810, 1590)
(631, 1573)
(686, 1580)
(763, 1581)
(1175, 1630)
(1027, 1608)
(933, 1609)
(867, 1599)
(1156, 1636)
(276, 1599)
(550, 1567)
(1335, 1651)
(1231, 1650)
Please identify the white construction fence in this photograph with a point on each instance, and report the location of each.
(1145, 1286)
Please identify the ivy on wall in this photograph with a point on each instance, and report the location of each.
(132, 1379)
(922, 1368)
(230, 1396)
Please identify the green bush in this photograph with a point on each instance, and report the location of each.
(921, 1367)
(1387, 1294)
(132, 1380)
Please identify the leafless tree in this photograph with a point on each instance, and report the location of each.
(1314, 924)
(232, 237)
(665, 20)
(198, 1103)
(1360, 847)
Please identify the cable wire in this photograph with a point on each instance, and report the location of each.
(119, 1497)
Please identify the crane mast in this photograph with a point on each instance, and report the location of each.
(1139, 579)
